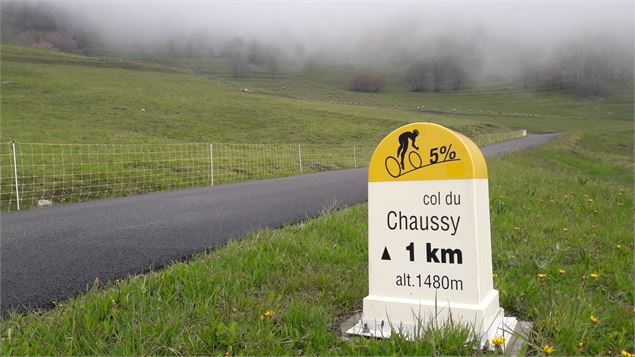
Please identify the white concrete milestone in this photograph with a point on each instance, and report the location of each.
(429, 236)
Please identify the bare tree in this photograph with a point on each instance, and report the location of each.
(591, 75)
(366, 83)
(273, 57)
(171, 46)
(419, 76)
(273, 65)
(438, 71)
(456, 75)
(189, 48)
(240, 65)
(256, 54)
(62, 41)
(235, 51)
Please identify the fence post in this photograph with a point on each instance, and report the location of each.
(15, 174)
(354, 156)
(211, 163)
(300, 157)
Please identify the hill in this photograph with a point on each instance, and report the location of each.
(97, 100)
(561, 214)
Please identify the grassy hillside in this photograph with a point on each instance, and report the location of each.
(562, 214)
(86, 100)
(52, 97)
(505, 104)
(77, 102)
(285, 291)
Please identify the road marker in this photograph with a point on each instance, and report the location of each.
(428, 205)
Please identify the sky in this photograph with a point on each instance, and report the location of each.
(371, 32)
(253, 17)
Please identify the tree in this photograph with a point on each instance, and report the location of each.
(189, 48)
(171, 45)
(438, 70)
(273, 58)
(456, 75)
(256, 54)
(235, 51)
(61, 41)
(419, 76)
(273, 65)
(592, 74)
(366, 83)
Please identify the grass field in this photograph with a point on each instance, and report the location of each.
(562, 217)
(50, 97)
(575, 217)
(64, 101)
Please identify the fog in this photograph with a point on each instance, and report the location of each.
(493, 38)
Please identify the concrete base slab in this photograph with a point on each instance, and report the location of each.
(515, 332)
(519, 337)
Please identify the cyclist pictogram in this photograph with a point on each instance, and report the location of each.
(396, 167)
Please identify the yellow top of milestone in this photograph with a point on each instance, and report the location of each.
(429, 152)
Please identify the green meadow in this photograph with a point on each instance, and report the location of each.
(157, 124)
(562, 213)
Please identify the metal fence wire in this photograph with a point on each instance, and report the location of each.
(49, 174)
(39, 174)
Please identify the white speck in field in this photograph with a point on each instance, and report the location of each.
(44, 203)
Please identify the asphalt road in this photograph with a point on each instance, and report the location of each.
(518, 144)
(50, 254)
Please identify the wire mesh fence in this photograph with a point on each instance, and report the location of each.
(51, 174)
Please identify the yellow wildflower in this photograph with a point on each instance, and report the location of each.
(594, 226)
(626, 353)
(498, 340)
(594, 319)
(266, 315)
(590, 200)
(234, 309)
(561, 271)
(594, 275)
(516, 228)
(495, 275)
(565, 229)
(580, 344)
(618, 246)
(548, 349)
(541, 275)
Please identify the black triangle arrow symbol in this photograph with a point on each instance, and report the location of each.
(385, 256)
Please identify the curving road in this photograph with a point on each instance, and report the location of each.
(51, 254)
